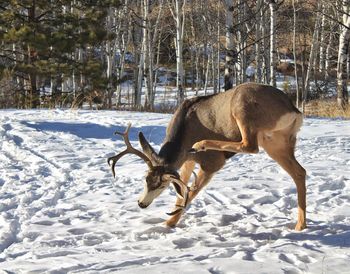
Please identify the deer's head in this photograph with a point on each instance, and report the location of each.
(158, 177)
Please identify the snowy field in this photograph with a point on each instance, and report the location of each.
(61, 210)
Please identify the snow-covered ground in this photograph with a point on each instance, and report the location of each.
(61, 210)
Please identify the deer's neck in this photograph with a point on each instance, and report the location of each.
(173, 154)
(173, 151)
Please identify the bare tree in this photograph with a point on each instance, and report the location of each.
(344, 39)
(177, 8)
(139, 36)
(110, 56)
(322, 39)
(272, 6)
(230, 49)
(311, 58)
(258, 34)
(265, 46)
(123, 32)
(295, 54)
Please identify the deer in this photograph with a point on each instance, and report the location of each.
(208, 130)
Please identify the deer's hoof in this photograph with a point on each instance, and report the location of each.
(300, 226)
(172, 222)
(199, 146)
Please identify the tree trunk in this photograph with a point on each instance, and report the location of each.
(295, 55)
(258, 73)
(123, 40)
(230, 49)
(239, 37)
(272, 6)
(311, 60)
(217, 81)
(110, 55)
(321, 68)
(32, 75)
(344, 39)
(140, 71)
(178, 12)
(148, 53)
(198, 75)
(328, 56)
(265, 45)
(207, 74)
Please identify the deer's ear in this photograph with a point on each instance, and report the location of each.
(148, 149)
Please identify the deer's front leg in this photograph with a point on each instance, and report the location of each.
(202, 180)
(185, 174)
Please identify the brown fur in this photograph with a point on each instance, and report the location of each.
(237, 121)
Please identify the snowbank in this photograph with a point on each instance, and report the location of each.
(61, 210)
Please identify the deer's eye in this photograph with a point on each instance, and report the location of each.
(153, 184)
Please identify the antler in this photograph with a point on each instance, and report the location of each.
(129, 149)
(186, 191)
(182, 190)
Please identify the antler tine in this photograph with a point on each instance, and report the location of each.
(125, 135)
(186, 190)
(115, 159)
(129, 149)
(195, 183)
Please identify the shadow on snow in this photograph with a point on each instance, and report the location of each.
(90, 130)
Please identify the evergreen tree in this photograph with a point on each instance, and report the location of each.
(53, 42)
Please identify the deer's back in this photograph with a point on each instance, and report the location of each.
(258, 104)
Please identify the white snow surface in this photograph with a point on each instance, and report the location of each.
(61, 211)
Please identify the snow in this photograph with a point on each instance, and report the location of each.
(61, 211)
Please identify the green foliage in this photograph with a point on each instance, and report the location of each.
(40, 40)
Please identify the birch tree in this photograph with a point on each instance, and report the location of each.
(230, 48)
(295, 53)
(322, 39)
(123, 37)
(258, 25)
(265, 47)
(177, 9)
(110, 56)
(312, 57)
(272, 6)
(151, 36)
(140, 47)
(344, 39)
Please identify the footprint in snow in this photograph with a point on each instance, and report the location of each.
(290, 270)
(154, 232)
(44, 171)
(95, 238)
(306, 259)
(78, 231)
(44, 222)
(335, 185)
(183, 243)
(153, 221)
(268, 199)
(229, 219)
(215, 270)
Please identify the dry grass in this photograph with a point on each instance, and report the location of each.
(326, 108)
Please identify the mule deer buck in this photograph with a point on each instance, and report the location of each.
(210, 129)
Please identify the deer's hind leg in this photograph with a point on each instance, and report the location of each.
(280, 147)
(248, 144)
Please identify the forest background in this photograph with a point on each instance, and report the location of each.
(121, 54)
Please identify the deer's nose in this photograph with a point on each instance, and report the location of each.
(142, 205)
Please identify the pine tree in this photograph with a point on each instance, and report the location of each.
(41, 41)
